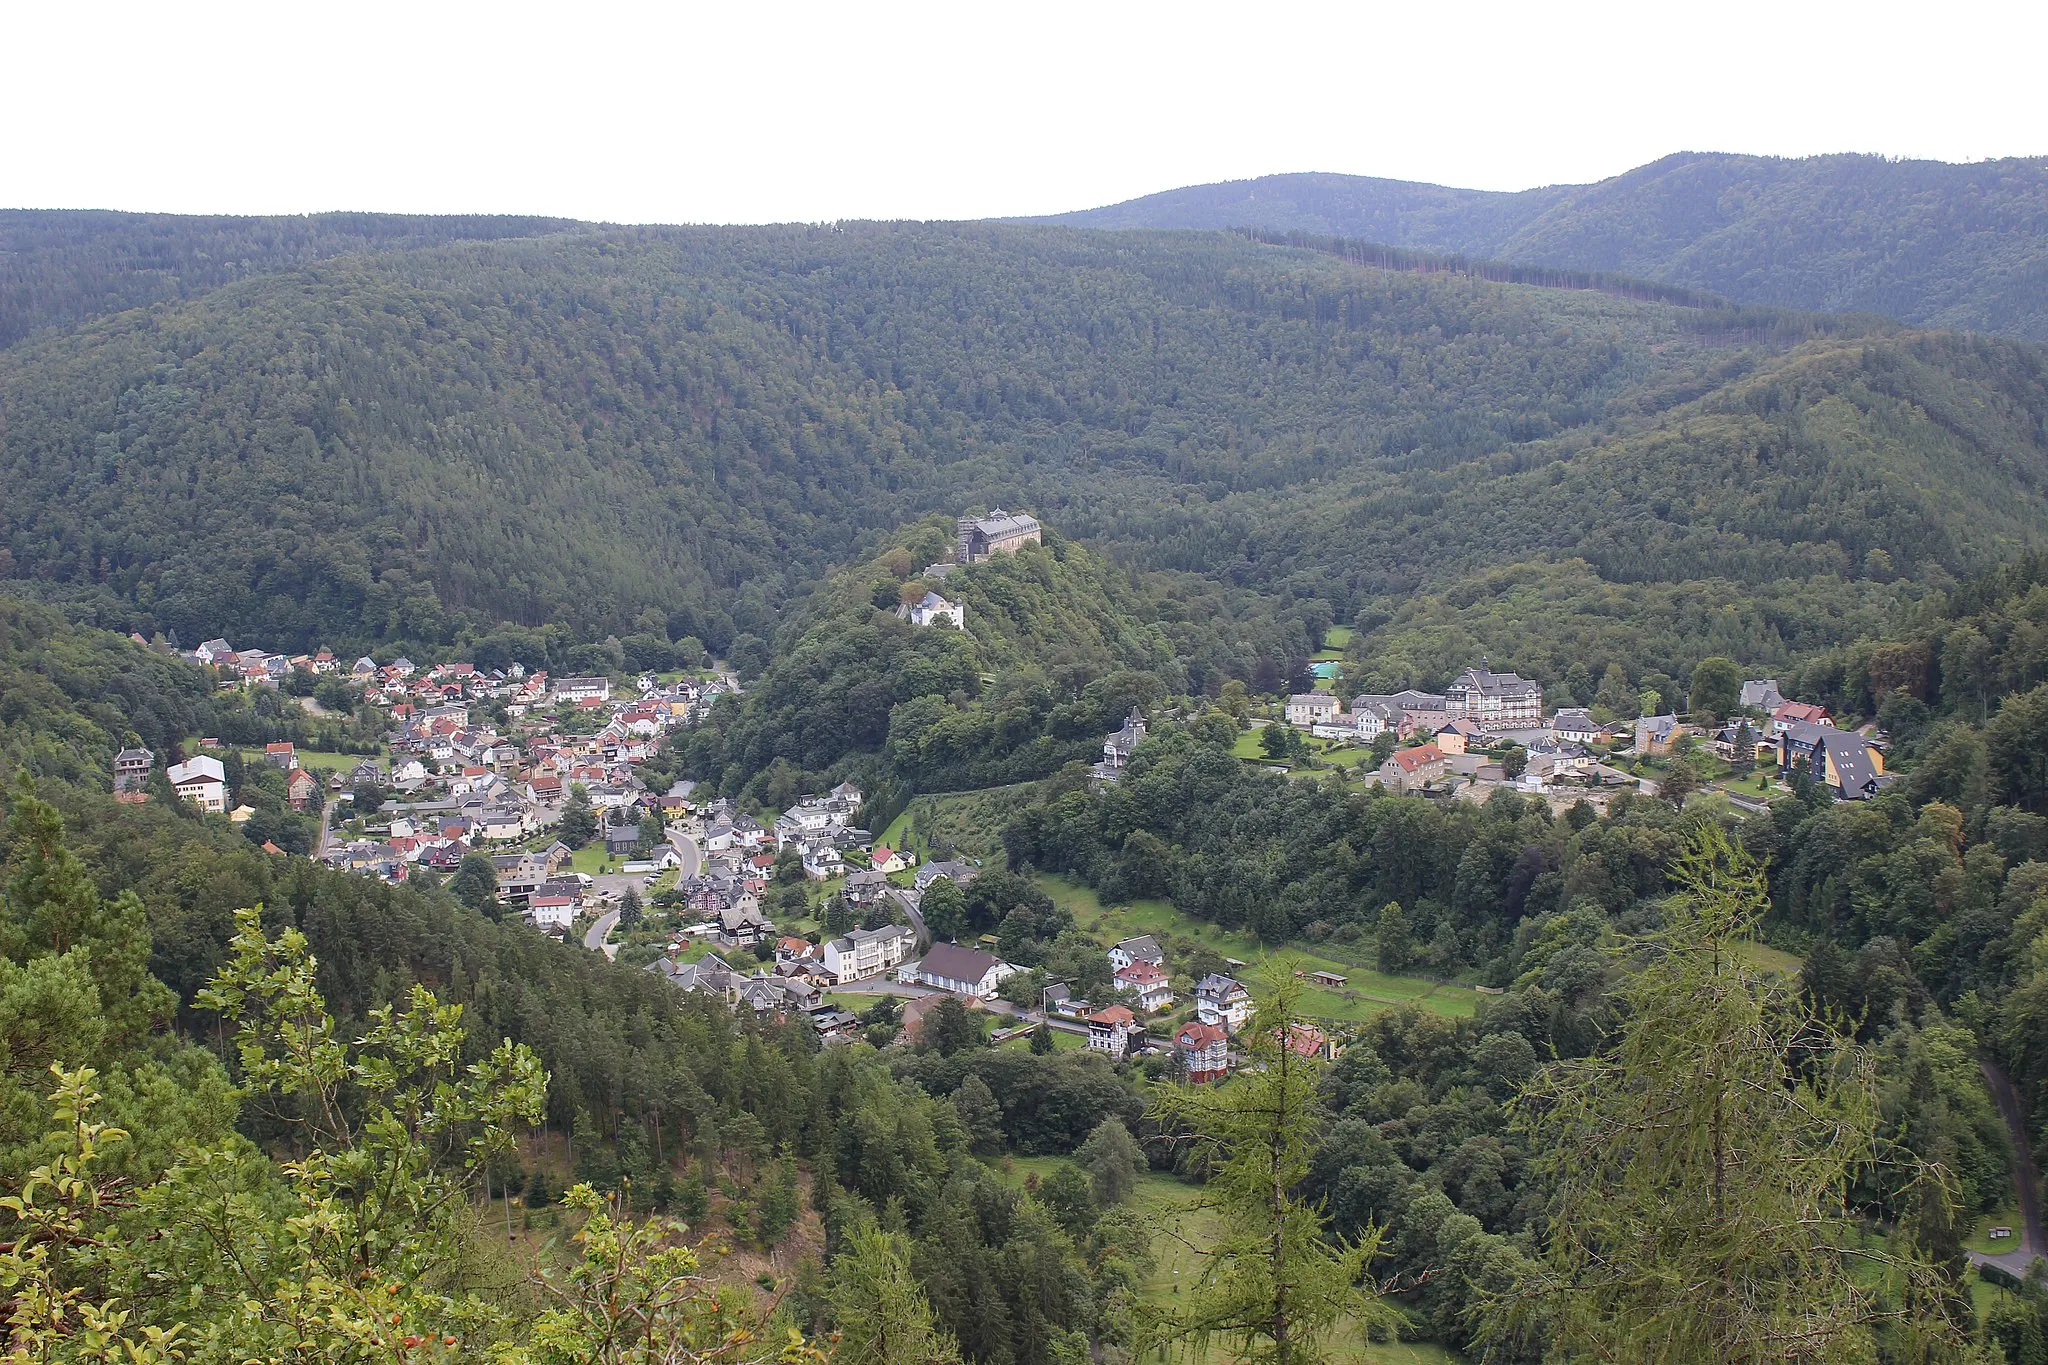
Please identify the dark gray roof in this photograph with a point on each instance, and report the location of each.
(1854, 768)
(1143, 946)
(951, 962)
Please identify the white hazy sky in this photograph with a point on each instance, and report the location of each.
(757, 112)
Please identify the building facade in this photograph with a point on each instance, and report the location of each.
(998, 533)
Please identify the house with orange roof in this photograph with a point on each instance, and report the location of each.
(1410, 770)
(1203, 1050)
(1111, 1029)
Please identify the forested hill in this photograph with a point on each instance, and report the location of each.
(60, 266)
(679, 430)
(1956, 246)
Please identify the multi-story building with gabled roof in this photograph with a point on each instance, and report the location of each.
(998, 533)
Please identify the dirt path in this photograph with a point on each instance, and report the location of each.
(2025, 1176)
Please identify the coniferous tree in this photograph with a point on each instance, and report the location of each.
(475, 884)
(980, 1115)
(578, 825)
(1702, 1164)
(1396, 943)
(879, 1307)
(1274, 1286)
(1113, 1161)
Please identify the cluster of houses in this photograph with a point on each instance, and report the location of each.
(1481, 707)
(202, 780)
(729, 890)
(456, 784)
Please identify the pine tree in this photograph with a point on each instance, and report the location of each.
(980, 1115)
(578, 825)
(1274, 1285)
(1396, 942)
(1701, 1165)
(475, 884)
(1113, 1160)
(881, 1310)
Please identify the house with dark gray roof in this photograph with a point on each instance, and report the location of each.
(1844, 762)
(964, 971)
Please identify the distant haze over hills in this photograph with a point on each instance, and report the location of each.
(1959, 246)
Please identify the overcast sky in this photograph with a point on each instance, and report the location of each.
(755, 112)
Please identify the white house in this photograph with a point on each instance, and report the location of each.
(551, 912)
(933, 609)
(1110, 1030)
(949, 967)
(1310, 708)
(867, 952)
(1143, 948)
(1498, 701)
(1575, 725)
(202, 781)
(584, 689)
(822, 861)
(1146, 981)
(1223, 1001)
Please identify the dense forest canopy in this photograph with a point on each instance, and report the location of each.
(252, 1106)
(59, 267)
(677, 432)
(1928, 242)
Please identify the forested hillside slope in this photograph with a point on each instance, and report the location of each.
(678, 430)
(59, 267)
(1959, 246)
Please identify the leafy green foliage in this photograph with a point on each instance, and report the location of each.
(59, 267)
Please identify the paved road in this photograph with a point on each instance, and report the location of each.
(2025, 1176)
(924, 935)
(594, 937)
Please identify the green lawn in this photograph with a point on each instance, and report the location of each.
(1364, 994)
(892, 837)
(1338, 637)
(971, 822)
(1332, 754)
(1770, 959)
(856, 1002)
(1980, 1236)
(1062, 1041)
(1247, 746)
(317, 760)
(590, 860)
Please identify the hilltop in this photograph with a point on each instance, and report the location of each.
(519, 446)
(1928, 242)
(60, 267)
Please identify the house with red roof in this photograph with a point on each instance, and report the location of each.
(1147, 982)
(1111, 1030)
(1793, 713)
(1410, 770)
(1203, 1050)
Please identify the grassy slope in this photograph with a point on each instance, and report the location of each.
(1365, 993)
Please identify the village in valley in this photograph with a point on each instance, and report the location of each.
(528, 793)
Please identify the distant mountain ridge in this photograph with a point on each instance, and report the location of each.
(1928, 242)
(63, 266)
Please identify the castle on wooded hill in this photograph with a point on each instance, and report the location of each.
(998, 533)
